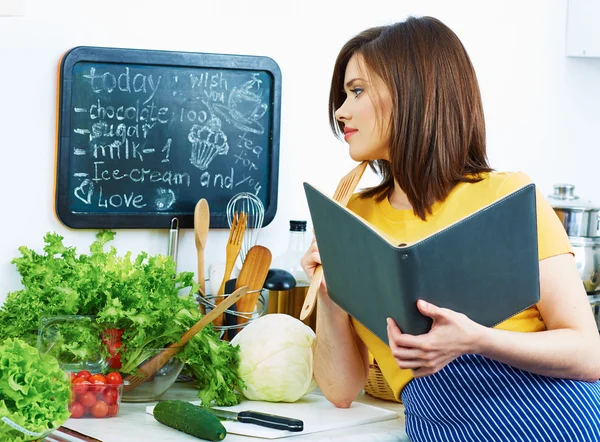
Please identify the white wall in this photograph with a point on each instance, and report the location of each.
(541, 107)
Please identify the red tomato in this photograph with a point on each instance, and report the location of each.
(112, 339)
(97, 387)
(87, 399)
(114, 378)
(98, 382)
(99, 409)
(73, 376)
(99, 378)
(76, 409)
(110, 395)
(113, 410)
(80, 385)
(114, 361)
(84, 374)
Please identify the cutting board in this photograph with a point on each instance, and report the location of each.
(317, 413)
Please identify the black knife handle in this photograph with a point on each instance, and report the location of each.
(270, 421)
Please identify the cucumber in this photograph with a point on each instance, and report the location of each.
(190, 419)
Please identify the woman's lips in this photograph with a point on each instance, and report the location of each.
(348, 133)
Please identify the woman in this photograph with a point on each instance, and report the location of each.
(406, 98)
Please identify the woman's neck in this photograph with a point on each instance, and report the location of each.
(398, 199)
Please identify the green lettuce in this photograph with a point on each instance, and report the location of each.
(144, 296)
(34, 392)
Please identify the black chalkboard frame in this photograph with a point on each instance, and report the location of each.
(147, 57)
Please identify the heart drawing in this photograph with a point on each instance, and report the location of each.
(85, 191)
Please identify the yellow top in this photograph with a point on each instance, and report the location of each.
(463, 200)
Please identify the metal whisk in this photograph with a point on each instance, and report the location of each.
(252, 206)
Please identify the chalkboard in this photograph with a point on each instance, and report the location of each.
(144, 134)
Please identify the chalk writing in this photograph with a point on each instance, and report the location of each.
(155, 138)
(108, 82)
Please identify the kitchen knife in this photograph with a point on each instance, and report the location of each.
(77, 434)
(262, 419)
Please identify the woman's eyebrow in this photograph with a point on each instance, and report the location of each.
(354, 80)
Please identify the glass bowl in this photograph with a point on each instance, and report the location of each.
(154, 387)
(64, 337)
(68, 339)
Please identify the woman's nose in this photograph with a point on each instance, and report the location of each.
(342, 114)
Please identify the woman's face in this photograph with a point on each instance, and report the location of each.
(365, 113)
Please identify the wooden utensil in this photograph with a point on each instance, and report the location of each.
(342, 194)
(201, 227)
(252, 275)
(152, 365)
(232, 251)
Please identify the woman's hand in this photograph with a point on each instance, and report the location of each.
(310, 261)
(452, 335)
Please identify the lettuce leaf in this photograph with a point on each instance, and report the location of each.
(34, 391)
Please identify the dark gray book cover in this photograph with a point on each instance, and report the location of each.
(485, 265)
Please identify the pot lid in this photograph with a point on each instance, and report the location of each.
(564, 198)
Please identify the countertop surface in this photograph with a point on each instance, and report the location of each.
(134, 424)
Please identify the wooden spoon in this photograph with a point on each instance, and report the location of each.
(201, 227)
(342, 194)
(252, 275)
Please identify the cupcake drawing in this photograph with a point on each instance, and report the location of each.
(207, 142)
(244, 106)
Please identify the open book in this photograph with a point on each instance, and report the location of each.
(485, 265)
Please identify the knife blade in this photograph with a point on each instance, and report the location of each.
(262, 419)
(77, 434)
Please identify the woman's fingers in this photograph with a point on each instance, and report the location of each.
(408, 354)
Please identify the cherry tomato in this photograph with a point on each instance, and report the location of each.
(99, 409)
(114, 378)
(98, 387)
(87, 399)
(114, 361)
(76, 409)
(73, 376)
(84, 374)
(98, 382)
(112, 339)
(113, 410)
(80, 385)
(100, 378)
(110, 395)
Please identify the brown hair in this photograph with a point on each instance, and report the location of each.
(437, 128)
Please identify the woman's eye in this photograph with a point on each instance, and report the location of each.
(356, 91)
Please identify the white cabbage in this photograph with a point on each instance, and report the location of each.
(276, 360)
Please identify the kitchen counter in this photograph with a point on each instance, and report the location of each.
(134, 424)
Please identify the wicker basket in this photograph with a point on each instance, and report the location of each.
(377, 386)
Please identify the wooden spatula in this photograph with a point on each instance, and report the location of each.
(342, 194)
(252, 275)
(201, 227)
(154, 364)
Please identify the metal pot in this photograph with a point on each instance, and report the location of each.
(595, 304)
(587, 258)
(579, 217)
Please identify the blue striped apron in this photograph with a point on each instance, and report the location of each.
(478, 399)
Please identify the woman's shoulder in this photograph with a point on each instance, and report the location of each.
(492, 185)
(508, 182)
